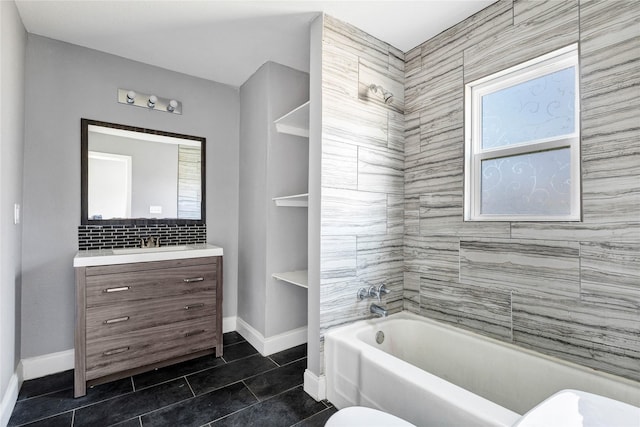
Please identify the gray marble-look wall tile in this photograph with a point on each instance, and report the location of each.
(412, 292)
(412, 133)
(340, 71)
(340, 304)
(492, 20)
(610, 274)
(340, 165)
(442, 113)
(354, 122)
(601, 231)
(380, 171)
(423, 176)
(555, 22)
(395, 137)
(479, 309)
(395, 213)
(435, 82)
(412, 62)
(396, 62)
(607, 23)
(380, 260)
(433, 257)
(338, 259)
(411, 215)
(355, 41)
(442, 145)
(535, 266)
(601, 337)
(442, 214)
(348, 212)
(611, 68)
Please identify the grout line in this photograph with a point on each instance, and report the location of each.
(73, 417)
(251, 391)
(189, 384)
(311, 416)
(133, 384)
(140, 420)
(277, 364)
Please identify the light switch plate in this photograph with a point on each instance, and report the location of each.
(16, 213)
(155, 209)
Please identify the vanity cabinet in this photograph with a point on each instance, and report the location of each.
(133, 317)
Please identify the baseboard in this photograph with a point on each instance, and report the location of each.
(229, 324)
(274, 344)
(315, 386)
(9, 399)
(47, 364)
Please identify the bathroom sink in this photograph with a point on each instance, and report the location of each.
(147, 250)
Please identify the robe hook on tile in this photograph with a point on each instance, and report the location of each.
(150, 102)
(385, 94)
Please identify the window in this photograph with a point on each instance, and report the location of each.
(522, 142)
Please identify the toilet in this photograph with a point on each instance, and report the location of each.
(359, 416)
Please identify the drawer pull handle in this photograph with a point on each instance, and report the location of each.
(189, 307)
(120, 289)
(116, 320)
(115, 351)
(192, 333)
(194, 279)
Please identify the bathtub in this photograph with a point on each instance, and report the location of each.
(433, 374)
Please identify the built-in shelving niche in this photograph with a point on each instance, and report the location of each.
(295, 122)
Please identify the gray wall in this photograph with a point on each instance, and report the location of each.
(571, 290)
(362, 180)
(65, 83)
(272, 239)
(12, 63)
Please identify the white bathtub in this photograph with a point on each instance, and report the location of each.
(432, 374)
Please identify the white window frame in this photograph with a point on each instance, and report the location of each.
(475, 154)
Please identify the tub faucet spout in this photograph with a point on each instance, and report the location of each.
(377, 310)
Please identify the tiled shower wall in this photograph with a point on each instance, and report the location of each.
(571, 290)
(362, 173)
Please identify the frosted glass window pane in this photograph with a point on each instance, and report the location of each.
(528, 184)
(536, 109)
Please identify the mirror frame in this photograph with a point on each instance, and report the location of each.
(84, 171)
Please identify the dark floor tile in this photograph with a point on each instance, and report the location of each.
(173, 372)
(133, 422)
(284, 409)
(211, 379)
(231, 338)
(133, 404)
(62, 420)
(45, 385)
(290, 354)
(317, 420)
(238, 351)
(276, 381)
(36, 408)
(202, 409)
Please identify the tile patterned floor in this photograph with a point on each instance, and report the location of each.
(242, 388)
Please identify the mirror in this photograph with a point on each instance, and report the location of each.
(132, 175)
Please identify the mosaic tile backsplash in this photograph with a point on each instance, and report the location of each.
(128, 236)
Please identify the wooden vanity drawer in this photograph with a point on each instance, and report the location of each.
(116, 288)
(105, 320)
(138, 348)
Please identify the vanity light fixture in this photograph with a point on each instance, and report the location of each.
(150, 102)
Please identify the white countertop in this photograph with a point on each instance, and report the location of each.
(129, 255)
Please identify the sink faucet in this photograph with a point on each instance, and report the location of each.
(152, 242)
(377, 310)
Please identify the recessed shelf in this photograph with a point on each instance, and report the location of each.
(295, 122)
(296, 200)
(298, 278)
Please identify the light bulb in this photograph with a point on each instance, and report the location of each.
(152, 101)
(131, 95)
(172, 105)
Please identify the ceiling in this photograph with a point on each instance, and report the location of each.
(227, 41)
